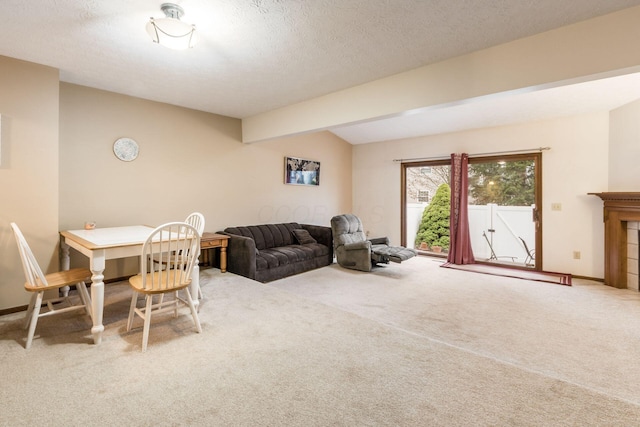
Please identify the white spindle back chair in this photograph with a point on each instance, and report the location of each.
(196, 219)
(177, 243)
(38, 282)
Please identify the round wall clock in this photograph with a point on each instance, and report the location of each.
(126, 149)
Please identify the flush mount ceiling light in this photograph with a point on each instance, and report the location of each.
(170, 31)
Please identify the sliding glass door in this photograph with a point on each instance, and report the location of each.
(504, 220)
(425, 206)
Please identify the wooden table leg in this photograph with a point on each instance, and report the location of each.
(97, 294)
(223, 259)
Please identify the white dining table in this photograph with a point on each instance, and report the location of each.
(101, 244)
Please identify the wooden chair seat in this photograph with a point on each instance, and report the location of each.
(137, 282)
(60, 279)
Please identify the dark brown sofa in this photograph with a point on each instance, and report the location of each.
(272, 251)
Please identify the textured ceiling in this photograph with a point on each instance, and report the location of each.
(257, 55)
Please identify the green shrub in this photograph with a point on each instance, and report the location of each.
(434, 227)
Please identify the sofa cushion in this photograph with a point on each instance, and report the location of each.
(302, 236)
(267, 235)
(276, 257)
(319, 250)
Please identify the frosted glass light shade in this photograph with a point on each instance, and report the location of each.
(172, 33)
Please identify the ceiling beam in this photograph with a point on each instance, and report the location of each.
(596, 48)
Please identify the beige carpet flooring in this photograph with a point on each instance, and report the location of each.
(405, 345)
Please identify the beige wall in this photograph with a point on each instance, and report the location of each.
(58, 169)
(575, 165)
(188, 161)
(28, 171)
(624, 148)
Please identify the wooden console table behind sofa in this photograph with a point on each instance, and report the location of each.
(210, 241)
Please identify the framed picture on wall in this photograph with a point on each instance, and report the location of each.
(301, 171)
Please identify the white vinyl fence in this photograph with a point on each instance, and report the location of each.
(502, 226)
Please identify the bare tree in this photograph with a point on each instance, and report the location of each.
(422, 182)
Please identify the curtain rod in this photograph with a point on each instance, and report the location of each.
(494, 153)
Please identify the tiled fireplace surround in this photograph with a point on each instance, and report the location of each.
(621, 228)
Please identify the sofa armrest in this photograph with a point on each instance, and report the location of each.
(357, 246)
(379, 241)
(356, 255)
(241, 255)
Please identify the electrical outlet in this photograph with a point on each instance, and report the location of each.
(576, 254)
(556, 206)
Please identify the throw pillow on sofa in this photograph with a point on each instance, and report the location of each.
(302, 236)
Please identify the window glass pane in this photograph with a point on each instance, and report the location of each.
(427, 225)
(501, 202)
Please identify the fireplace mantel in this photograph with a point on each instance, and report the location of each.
(619, 196)
(619, 207)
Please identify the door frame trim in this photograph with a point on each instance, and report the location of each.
(535, 156)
